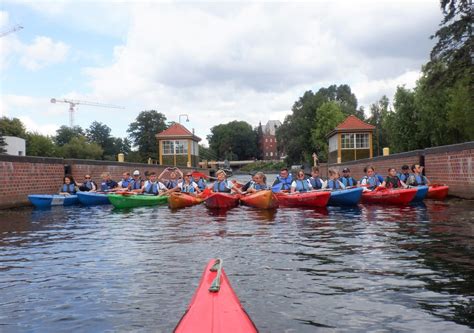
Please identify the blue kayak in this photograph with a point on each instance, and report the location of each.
(48, 200)
(347, 197)
(93, 198)
(421, 193)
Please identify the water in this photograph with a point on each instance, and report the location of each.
(367, 268)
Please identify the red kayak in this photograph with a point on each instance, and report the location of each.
(438, 192)
(389, 196)
(181, 200)
(215, 307)
(222, 200)
(304, 199)
(262, 199)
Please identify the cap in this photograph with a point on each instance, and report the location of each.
(136, 173)
(346, 170)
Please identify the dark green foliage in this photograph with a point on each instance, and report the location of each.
(12, 127)
(78, 147)
(378, 118)
(263, 166)
(40, 145)
(259, 141)
(207, 154)
(233, 141)
(65, 134)
(2, 144)
(328, 116)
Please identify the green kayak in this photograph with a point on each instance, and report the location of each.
(138, 200)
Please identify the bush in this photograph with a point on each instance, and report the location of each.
(263, 166)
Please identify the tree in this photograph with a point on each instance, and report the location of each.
(143, 132)
(100, 133)
(233, 141)
(12, 127)
(78, 147)
(460, 110)
(39, 145)
(378, 118)
(259, 141)
(2, 144)
(65, 134)
(328, 116)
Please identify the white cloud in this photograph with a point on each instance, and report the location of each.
(43, 52)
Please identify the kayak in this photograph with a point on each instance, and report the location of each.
(181, 200)
(221, 200)
(136, 200)
(262, 199)
(347, 197)
(304, 199)
(389, 196)
(421, 193)
(93, 198)
(438, 192)
(215, 306)
(48, 200)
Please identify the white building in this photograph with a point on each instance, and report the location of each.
(15, 146)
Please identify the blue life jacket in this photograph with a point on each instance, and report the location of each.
(187, 188)
(420, 180)
(302, 185)
(107, 185)
(259, 187)
(221, 186)
(152, 188)
(88, 184)
(286, 182)
(135, 184)
(125, 182)
(201, 184)
(171, 184)
(348, 181)
(372, 182)
(71, 188)
(379, 177)
(403, 176)
(334, 184)
(316, 183)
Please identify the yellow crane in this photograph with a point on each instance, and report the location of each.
(74, 102)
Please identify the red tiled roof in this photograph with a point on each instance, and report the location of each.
(354, 123)
(177, 130)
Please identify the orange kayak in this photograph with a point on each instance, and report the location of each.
(389, 196)
(304, 199)
(262, 199)
(438, 192)
(221, 200)
(181, 200)
(215, 307)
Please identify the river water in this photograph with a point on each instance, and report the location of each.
(366, 268)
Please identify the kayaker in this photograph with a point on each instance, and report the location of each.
(259, 183)
(392, 180)
(315, 181)
(347, 179)
(222, 184)
(283, 181)
(107, 184)
(201, 183)
(153, 186)
(172, 182)
(125, 181)
(370, 181)
(417, 178)
(88, 185)
(69, 186)
(333, 182)
(249, 183)
(405, 173)
(301, 184)
(136, 183)
(187, 185)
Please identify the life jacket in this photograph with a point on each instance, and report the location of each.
(88, 185)
(187, 188)
(125, 182)
(379, 177)
(316, 183)
(417, 180)
(286, 182)
(403, 176)
(135, 184)
(221, 186)
(69, 188)
(152, 188)
(348, 181)
(107, 185)
(393, 182)
(371, 182)
(171, 184)
(302, 185)
(201, 184)
(334, 184)
(258, 187)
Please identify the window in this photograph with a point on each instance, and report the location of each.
(362, 141)
(178, 147)
(355, 141)
(271, 153)
(347, 141)
(168, 147)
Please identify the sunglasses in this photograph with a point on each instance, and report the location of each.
(87, 177)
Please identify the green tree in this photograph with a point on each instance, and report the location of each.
(143, 132)
(39, 145)
(328, 116)
(12, 127)
(460, 110)
(65, 134)
(259, 138)
(100, 133)
(2, 144)
(78, 147)
(378, 118)
(233, 141)
(206, 153)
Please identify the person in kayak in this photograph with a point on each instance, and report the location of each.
(301, 184)
(136, 183)
(334, 183)
(316, 182)
(173, 181)
(405, 173)
(154, 186)
(370, 181)
(222, 184)
(249, 183)
(392, 180)
(283, 181)
(88, 185)
(125, 181)
(201, 183)
(347, 179)
(107, 184)
(259, 182)
(187, 185)
(69, 186)
(417, 178)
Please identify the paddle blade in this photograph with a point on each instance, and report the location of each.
(277, 187)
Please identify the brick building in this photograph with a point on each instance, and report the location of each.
(268, 143)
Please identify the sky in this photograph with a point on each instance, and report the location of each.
(213, 61)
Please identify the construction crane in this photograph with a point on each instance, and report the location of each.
(73, 103)
(12, 29)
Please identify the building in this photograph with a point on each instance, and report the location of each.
(350, 140)
(178, 146)
(15, 146)
(268, 143)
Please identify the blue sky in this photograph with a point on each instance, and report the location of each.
(215, 62)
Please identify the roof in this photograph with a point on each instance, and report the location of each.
(177, 131)
(351, 124)
(271, 126)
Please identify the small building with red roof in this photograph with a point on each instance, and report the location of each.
(178, 146)
(350, 140)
